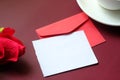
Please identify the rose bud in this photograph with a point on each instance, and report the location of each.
(11, 48)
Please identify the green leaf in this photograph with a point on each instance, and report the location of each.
(1, 29)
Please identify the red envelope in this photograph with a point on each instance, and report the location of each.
(76, 22)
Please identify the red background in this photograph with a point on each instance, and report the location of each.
(27, 15)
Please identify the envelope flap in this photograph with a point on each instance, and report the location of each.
(63, 26)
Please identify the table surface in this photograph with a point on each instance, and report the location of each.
(27, 15)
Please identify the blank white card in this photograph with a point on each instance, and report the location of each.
(63, 53)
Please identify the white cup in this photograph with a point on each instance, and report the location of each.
(110, 4)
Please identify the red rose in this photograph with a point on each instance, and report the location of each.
(10, 47)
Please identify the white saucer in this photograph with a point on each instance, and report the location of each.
(100, 14)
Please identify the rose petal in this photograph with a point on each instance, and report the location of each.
(11, 49)
(8, 31)
(21, 50)
(16, 40)
(21, 46)
(1, 51)
(12, 52)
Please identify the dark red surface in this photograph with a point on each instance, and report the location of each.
(27, 15)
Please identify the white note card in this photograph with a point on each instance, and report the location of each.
(63, 53)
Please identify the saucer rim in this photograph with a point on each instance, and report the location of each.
(106, 23)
